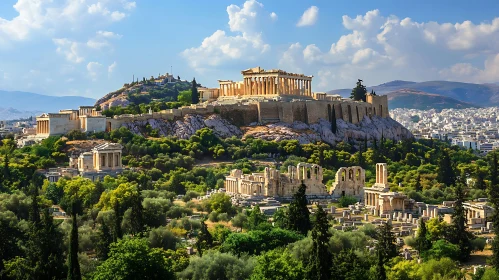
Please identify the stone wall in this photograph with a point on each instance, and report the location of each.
(94, 124)
(239, 115)
(61, 124)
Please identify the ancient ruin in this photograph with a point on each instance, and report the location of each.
(264, 96)
(381, 200)
(349, 181)
(274, 183)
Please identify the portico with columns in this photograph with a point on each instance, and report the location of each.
(107, 157)
(274, 82)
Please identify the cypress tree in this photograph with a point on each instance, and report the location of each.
(320, 258)
(105, 238)
(6, 170)
(380, 272)
(386, 243)
(423, 243)
(480, 179)
(299, 216)
(459, 232)
(361, 157)
(418, 186)
(446, 173)
(118, 218)
(334, 126)
(73, 264)
(204, 240)
(194, 92)
(493, 192)
(365, 143)
(137, 214)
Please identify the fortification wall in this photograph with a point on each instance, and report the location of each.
(239, 115)
(306, 111)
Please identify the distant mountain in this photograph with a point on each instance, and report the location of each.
(479, 94)
(27, 101)
(413, 99)
(13, 114)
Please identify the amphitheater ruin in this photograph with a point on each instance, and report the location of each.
(263, 96)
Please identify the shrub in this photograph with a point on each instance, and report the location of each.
(347, 200)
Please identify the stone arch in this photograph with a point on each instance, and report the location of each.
(349, 110)
(357, 174)
(343, 175)
(108, 127)
(339, 111)
(350, 174)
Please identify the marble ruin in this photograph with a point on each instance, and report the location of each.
(349, 181)
(273, 183)
(104, 159)
(381, 200)
(263, 96)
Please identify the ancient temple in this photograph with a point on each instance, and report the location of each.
(275, 82)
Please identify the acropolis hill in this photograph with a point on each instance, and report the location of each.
(272, 104)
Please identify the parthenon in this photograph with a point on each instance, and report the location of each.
(260, 82)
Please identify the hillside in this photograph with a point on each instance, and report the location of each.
(33, 102)
(143, 92)
(479, 94)
(409, 98)
(14, 114)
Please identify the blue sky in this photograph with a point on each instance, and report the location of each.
(91, 47)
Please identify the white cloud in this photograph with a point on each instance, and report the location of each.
(380, 49)
(94, 69)
(117, 16)
(48, 16)
(108, 34)
(70, 49)
(111, 68)
(247, 44)
(273, 16)
(97, 44)
(129, 5)
(309, 17)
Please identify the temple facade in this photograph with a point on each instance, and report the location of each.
(276, 184)
(102, 160)
(381, 200)
(85, 118)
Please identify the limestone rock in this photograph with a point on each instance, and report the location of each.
(185, 127)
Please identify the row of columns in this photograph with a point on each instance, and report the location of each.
(277, 85)
(231, 186)
(229, 89)
(107, 160)
(473, 214)
(42, 127)
(371, 199)
(381, 174)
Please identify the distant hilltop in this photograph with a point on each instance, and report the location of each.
(449, 94)
(25, 104)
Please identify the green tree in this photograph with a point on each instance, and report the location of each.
(214, 265)
(299, 215)
(137, 218)
(493, 192)
(185, 97)
(423, 243)
(347, 200)
(204, 240)
(255, 218)
(386, 243)
(359, 92)
(459, 232)
(320, 258)
(105, 238)
(445, 170)
(442, 249)
(379, 269)
(278, 264)
(239, 221)
(418, 186)
(133, 259)
(348, 266)
(194, 91)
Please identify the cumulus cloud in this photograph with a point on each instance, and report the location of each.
(379, 49)
(69, 49)
(111, 68)
(35, 16)
(94, 69)
(246, 44)
(309, 17)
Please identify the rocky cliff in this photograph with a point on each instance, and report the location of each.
(185, 127)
